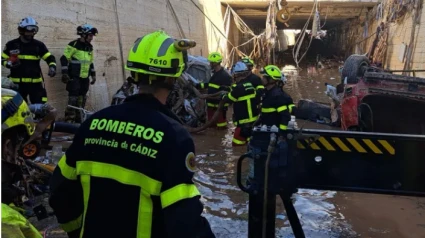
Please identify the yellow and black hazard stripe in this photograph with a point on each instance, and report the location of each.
(353, 145)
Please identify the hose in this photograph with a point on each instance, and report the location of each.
(65, 127)
(270, 150)
(214, 117)
(209, 123)
(211, 96)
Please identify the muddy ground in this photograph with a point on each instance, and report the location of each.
(322, 213)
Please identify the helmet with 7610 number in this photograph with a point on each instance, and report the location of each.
(158, 54)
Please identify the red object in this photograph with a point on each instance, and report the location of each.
(221, 122)
(349, 114)
(13, 56)
(237, 135)
(355, 95)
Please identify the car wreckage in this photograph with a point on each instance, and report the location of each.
(372, 99)
(184, 99)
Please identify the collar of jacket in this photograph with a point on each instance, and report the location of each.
(219, 71)
(244, 80)
(84, 42)
(28, 42)
(272, 90)
(150, 101)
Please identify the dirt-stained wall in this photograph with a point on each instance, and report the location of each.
(358, 35)
(58, 21)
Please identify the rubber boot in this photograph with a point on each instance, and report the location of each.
(70, 113)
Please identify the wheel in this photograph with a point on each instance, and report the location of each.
(30, 150)
(354, 68)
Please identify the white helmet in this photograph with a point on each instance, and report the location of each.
(238, 68)
(29, 24)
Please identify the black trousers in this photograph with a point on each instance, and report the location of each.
(36, 92)
(78, 87)
(77, 91)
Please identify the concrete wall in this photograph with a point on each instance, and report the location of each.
(353, 41)
(58, 21)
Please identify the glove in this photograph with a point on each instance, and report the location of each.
(223, 94)
(93, 80)
(52, 72)
(11, 65)
(65, 78)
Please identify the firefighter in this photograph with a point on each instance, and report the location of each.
(245, 105)
(128, 172)
(277, 105)
(220, 81)
(77, 67)
(254, 79)
(22, 56)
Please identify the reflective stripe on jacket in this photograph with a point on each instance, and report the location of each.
(30, 54)
(128, 173)
(77, 59)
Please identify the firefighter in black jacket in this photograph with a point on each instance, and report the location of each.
(77, 66)
(220, 81)
(22, 56)
(254, 79)
(277, 105)
(245, 105)
(128, 172)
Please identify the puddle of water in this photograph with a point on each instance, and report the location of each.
(226, 206)
(323, 214)
(309, 82)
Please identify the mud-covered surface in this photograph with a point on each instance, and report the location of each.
(322, 213)
(382, 216)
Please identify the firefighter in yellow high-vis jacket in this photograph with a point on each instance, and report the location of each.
(77, 67)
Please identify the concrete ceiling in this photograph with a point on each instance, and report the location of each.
(254, 12)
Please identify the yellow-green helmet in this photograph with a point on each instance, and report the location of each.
(215, 57)
(272, 71)
(248, 61)
(156, 54)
